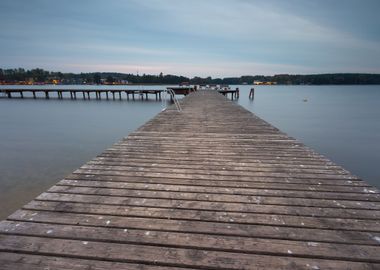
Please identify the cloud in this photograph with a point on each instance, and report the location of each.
(214, 37)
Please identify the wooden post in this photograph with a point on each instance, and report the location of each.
(9, 94)
(113, 95)
(46, 94)
(120, 95)
(237, 93)
(34, 94)
(21, 94)
(252, 93)
(107, 94)
(84, 95)
(88, 94)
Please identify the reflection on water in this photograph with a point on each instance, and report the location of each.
(41, 140)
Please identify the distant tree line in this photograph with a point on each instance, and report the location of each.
(38, 75)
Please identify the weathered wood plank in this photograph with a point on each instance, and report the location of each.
(212, 216)
(224, 198)
(266, 231)
(312, 193)
(332, 184)
(166, 256)
(22, 261)
(214, 206)
(361, 253)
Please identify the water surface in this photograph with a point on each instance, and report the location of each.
(41, 140)
(340, 122)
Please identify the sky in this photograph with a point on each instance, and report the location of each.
(218, 38)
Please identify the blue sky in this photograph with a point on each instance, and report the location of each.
(216, 38)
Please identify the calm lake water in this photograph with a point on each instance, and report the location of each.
(41, 140)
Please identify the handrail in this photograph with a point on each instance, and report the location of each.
(175, 100)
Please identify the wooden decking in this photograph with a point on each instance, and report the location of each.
(211, 187)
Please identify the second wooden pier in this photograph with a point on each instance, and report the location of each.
(210, 187)
(85, 93)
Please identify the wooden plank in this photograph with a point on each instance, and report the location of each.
(251, 165)
(165, 256)
(245, 183)
(189, 175)
(212, 216)
(213, 206)
(22, 261)
(312, 193)
(223, 198)
(225, 182)
(266, 231)
(361, 253)
(229, 170)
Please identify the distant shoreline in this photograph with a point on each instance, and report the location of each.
(38, 76)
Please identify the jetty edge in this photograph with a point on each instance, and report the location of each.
(210, 187)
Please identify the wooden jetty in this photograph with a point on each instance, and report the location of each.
(210, 187)
(85, 93)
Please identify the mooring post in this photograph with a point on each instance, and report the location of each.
(46, 94)
(34, 94)
(252, 93)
